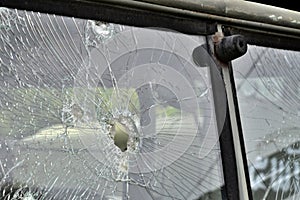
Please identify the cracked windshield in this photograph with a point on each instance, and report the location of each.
(268, 82)
(95, 110)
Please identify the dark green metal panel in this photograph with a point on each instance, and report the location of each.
(228, 12)
(120, 12)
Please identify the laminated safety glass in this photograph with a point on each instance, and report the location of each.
(95, 110)
(268, 89)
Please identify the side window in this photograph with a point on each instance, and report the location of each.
(267, 82)
(96, 110)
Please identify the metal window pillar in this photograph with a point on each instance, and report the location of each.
(223, 59)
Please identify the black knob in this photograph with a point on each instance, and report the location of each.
(230, 48)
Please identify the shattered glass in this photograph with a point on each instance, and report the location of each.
(95, 110)
(268, 82)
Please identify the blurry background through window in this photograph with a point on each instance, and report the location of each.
(94, 110)
(268, 89)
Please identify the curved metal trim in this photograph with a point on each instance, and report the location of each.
(227, 12)
(236, 9)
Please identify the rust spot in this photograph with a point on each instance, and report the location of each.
(217, 37)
